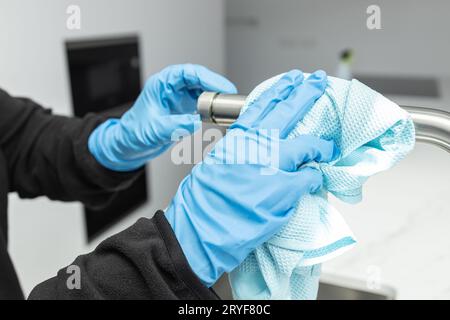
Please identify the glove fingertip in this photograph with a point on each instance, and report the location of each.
(320, 74)
(318, 79)
(228, 87)
(196, 122)
(336, 152)
(328, 151)
(294, 73)
(312, 177)
(179, 126)
(212, 81)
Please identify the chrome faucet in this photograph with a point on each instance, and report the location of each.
(432, 126)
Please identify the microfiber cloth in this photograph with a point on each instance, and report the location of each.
(373, 134)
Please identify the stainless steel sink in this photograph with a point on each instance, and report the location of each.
(341, 288)
(331, 288)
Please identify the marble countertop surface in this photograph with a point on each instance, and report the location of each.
(403, 228)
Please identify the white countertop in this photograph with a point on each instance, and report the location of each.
(403, 228)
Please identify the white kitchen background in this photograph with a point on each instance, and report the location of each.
(402, 224)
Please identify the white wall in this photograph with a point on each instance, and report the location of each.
(44, 235)
(266, 37)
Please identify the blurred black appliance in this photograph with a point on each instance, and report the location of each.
(105, 74)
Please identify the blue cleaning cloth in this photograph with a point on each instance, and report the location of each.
(373, 134)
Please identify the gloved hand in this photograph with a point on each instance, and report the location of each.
(165, 107)
(234, 201)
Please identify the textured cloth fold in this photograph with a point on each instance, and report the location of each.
(373, 134)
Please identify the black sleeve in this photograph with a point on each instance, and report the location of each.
(142, 262)
(48, 155)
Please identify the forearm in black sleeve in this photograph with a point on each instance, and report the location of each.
(142, 262)
(48, 155)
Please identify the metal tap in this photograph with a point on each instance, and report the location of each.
(432, 126)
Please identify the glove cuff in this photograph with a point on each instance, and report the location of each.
(178, 215)
(108, 148)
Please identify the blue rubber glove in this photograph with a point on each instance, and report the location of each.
(163, 112)
(230, 204)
